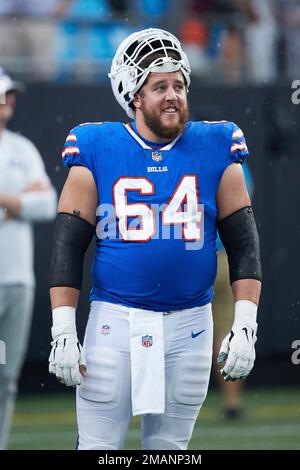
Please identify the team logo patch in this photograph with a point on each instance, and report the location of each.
(105, 330)
(147, 341)
(157, 156)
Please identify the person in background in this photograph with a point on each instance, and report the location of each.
(28, 36)
(26, 196)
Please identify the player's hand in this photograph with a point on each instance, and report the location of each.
(238, 351)
(66, 360)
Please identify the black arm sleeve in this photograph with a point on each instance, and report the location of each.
(240, 238)
(72, 236)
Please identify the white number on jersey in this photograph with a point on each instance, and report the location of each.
(186, 196)
(141, 209)
(183, 208)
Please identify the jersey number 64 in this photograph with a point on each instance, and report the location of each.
(183, 208)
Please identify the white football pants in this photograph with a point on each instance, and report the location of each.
(104, 398)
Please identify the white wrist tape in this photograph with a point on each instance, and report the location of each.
(64, 321)
(245, 313)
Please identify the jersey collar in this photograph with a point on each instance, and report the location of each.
(143, 144)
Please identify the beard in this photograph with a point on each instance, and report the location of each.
(154, 122)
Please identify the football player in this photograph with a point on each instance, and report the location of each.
(170, 183)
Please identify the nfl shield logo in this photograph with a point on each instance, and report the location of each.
(105, 330)
(157, 156)
(147, 341)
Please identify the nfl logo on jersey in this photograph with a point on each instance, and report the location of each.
(147, 341)
(157, 156)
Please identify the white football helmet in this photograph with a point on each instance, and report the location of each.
(126, 74)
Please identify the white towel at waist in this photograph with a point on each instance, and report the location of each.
(147, 362)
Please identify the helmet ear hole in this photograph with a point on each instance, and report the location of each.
(127, 97)
(120, 87)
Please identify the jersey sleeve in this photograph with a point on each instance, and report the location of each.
(238, 150)
(78, 147)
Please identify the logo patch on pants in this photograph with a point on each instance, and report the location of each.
(147, 341)
(105, 330)
(194, 335)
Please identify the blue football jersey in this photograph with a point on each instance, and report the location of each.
(157, 215)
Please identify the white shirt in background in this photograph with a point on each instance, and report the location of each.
(20, 166)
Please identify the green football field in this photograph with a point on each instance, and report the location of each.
(271, 421)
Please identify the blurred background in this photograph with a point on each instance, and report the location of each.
(245, 58)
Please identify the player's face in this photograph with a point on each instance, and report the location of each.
(163, 104)
(7, 109)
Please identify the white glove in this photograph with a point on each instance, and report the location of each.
(66, 354)
(237, 348)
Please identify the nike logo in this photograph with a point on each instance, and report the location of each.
(194, 335)
(246, 333)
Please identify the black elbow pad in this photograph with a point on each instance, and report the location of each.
(72, 236)
(238, 233)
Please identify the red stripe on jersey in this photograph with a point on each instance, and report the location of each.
(236, 147)
(70, 151)
(237, 134)
(71, 138)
